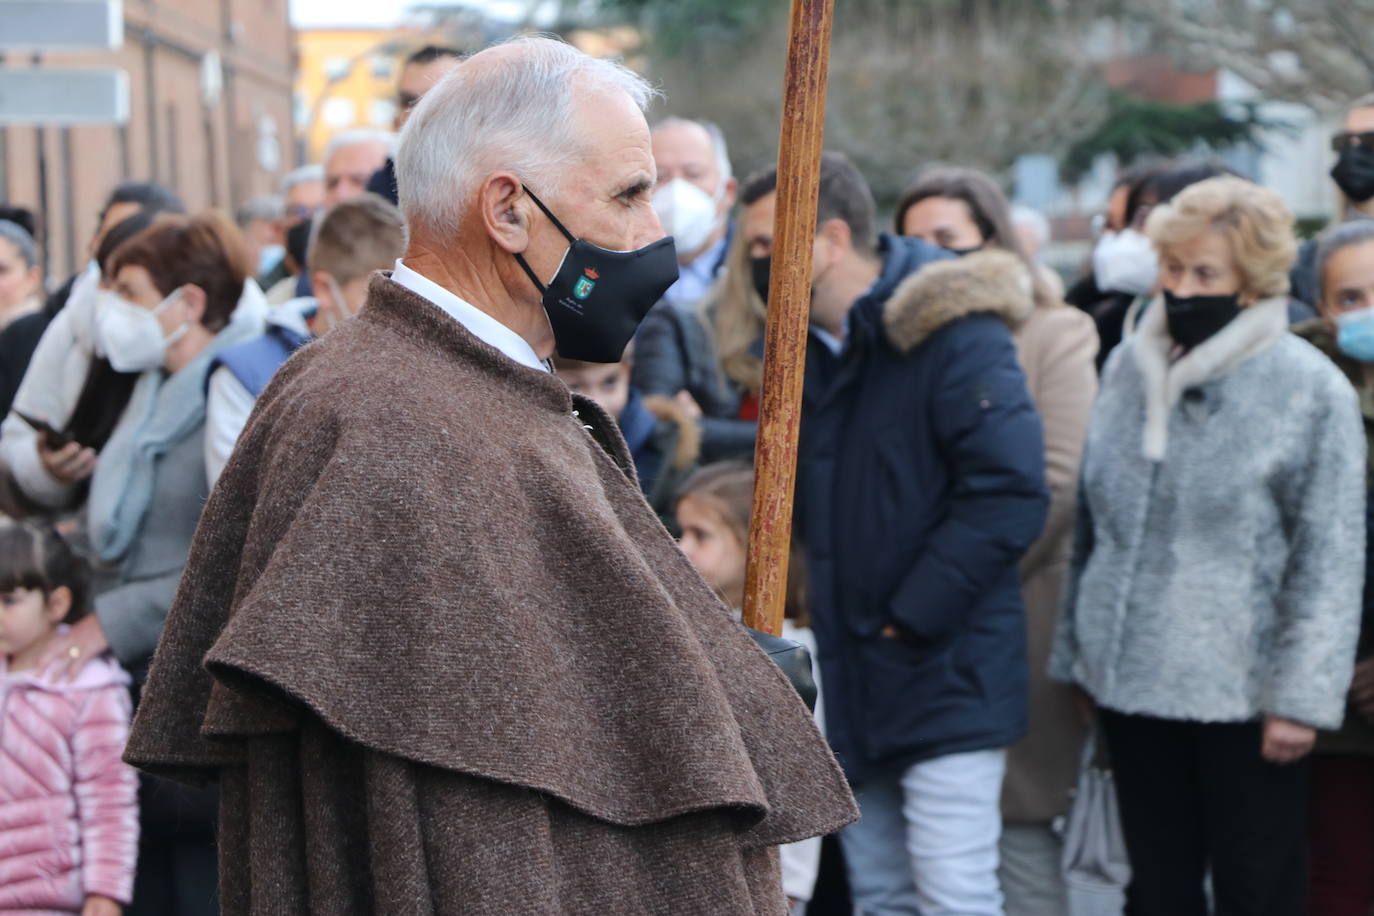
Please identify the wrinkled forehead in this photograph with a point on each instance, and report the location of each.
(610, 130)
(684, 144)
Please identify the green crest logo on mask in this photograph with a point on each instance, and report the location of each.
(586, 283)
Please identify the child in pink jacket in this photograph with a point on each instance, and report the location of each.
(68, 804)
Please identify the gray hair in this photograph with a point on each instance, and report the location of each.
(722, 152)
(514, 113)
(18, 236)
(1033, 220)
(357, 137)
(300, 176)
(1355, 232)
(263, 208)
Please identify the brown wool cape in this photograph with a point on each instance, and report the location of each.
(442, 658)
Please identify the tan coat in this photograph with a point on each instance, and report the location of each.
(1058, 350)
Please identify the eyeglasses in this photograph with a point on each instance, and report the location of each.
(406, 100)
(1341, 139)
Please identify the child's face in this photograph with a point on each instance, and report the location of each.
(28, 619)
(608, 385)
(713, 548)
(1349, 280)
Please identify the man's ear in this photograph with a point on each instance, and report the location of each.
(835, 231)
(504, 208)
(59, 604)
(321, 287)
(728, 198)
(833, 242)
(193, 298)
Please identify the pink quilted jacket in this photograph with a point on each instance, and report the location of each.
(68, 804)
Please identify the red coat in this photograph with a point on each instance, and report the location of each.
(68, 804)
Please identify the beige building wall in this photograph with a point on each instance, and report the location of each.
(213, 152)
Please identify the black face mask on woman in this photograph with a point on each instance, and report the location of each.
(1354, 172)
(598, 297)
(1193, 319)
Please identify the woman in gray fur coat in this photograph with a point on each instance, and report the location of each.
(1213, 604)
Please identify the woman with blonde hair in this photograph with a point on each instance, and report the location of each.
(1213, 602)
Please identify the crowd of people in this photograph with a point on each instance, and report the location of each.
(1032, 515)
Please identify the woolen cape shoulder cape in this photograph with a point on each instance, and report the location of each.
(443, 658)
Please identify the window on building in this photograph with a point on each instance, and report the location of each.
(336, 68)
(383, 68)
(339, 113)
(381, 112)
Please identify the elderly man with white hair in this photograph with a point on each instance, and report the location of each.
(676, 353)
(350, 158)
(432, 642)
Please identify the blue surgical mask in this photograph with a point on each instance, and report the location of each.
(270, 257)
(1355, 334)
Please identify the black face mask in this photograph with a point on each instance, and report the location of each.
(1193, 319)
(598, 297)
(1354, 173)
(759, 269)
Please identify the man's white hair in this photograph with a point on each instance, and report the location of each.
(263, 208)
(513, 113)
(357, 137)
(1033, 220)
(301, 176)
(718, 146)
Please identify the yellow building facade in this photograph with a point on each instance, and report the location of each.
(346, 78)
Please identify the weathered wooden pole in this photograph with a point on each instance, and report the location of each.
(789, 302)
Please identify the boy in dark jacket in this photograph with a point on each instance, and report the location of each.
(921, 483)
(663, 438)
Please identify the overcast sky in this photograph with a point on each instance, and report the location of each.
(316, 13)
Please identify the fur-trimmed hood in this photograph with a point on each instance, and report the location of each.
(991, 281)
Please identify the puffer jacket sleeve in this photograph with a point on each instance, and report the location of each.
(659, 366)
(1319, 606)
(989, 433)
(106, 794)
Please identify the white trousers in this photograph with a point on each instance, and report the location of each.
(926, 841)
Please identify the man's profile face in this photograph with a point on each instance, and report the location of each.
(348, 170)
(757, 225)
(605, 197)
(686, 151)
(302, 201)
(416, 80)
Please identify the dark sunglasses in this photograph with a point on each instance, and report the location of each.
(1344, 138)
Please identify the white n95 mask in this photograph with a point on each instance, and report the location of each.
(131, 336)
(1126, 262)
(687, 213)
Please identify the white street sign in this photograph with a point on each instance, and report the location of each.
(63, 96)
(47, 25)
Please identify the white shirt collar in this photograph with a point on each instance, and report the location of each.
(484, 327)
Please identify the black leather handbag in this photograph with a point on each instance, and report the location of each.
(795, 662)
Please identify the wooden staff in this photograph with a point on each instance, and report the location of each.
(789, 305)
